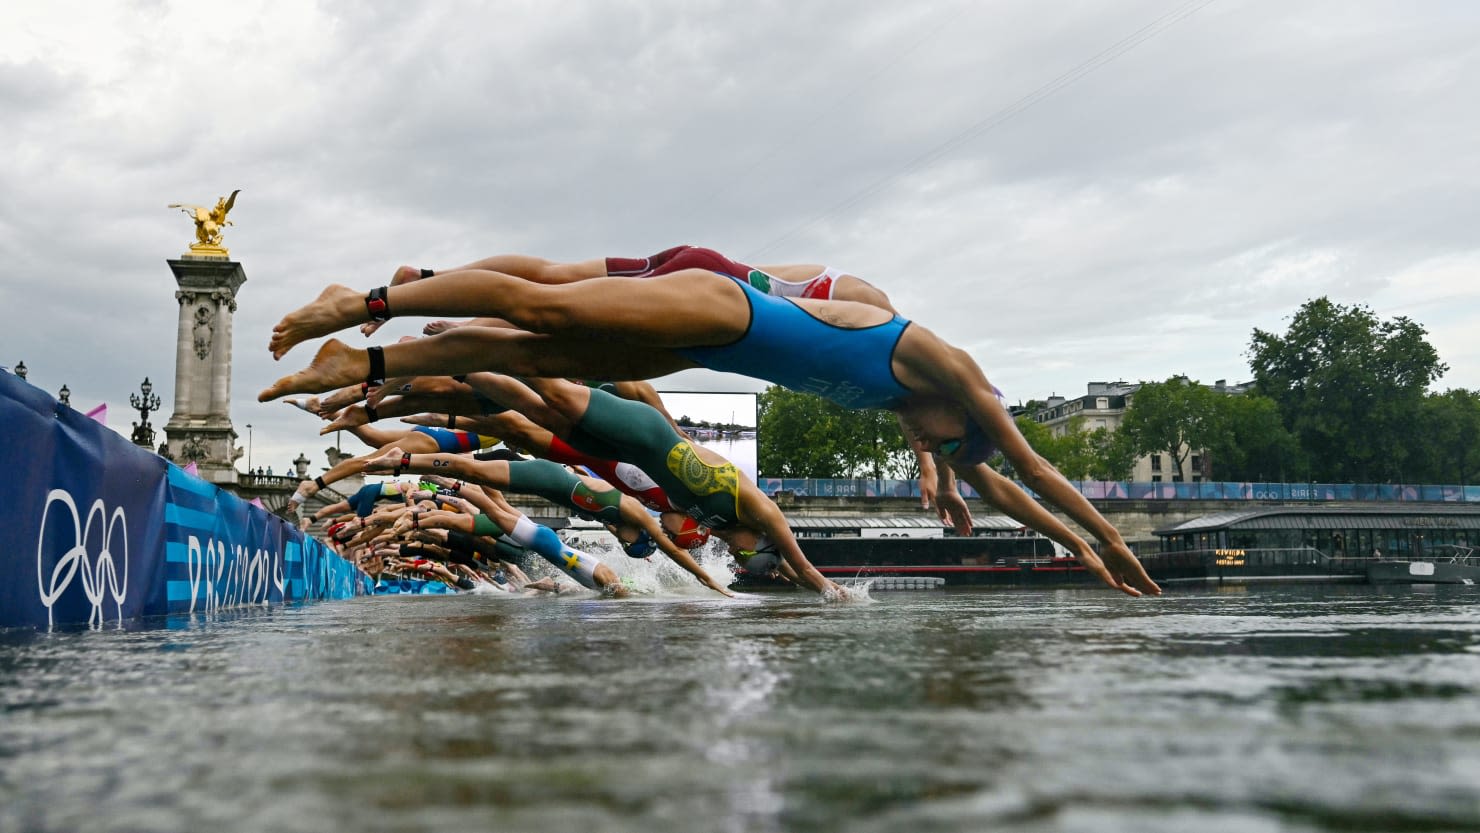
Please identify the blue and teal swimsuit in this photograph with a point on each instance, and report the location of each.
(787, 345)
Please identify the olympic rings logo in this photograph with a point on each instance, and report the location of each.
(100, 579)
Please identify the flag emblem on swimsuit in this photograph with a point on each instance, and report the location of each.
(586, 500)
(820, 288)
(572, 560)
(760, 280)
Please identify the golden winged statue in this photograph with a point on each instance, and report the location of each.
(208, 224)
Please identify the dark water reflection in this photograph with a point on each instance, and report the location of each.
(1295, 708)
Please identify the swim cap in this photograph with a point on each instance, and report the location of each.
(642, 547)
(691, 534)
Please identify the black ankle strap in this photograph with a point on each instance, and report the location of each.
(452, 421)
(377, 305)
(370, 413)
(427, 273)
(377, 366)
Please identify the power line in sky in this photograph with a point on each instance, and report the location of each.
(820, 115)
(1105, 56)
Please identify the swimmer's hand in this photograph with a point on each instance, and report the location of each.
(1119, 568)
(838, 593)
(953, 511)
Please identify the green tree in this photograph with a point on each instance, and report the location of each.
(1112, 455)
(1251, 443)
(1348, 386)
(1101, 454)
(1038, 436)
(1176, 416)
(803, 435)
(1449, 427)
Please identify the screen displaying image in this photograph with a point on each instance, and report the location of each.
(723, 422)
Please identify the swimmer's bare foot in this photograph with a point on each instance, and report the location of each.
(433, 420)
(440, 326)
(351, 417)
(311, 405)
(335, 365)
(389, 461)
(336, 307)
(343, 398)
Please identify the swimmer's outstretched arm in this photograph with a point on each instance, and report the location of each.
(1002, 493)
(338, 508)
(1115, 565)
(634, 514)
(493, 473)
(762, 514)
(405, 440)
(949, 504)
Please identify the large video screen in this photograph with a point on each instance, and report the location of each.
(722, 422)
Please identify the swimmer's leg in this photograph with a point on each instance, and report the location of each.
(697, 307)
(473, 349)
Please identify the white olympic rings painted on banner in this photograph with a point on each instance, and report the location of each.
(99, 578)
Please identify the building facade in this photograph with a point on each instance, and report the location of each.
(1104, 406)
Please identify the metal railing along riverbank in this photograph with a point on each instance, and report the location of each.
(1128, 490)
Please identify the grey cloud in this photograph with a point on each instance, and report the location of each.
(1136, 223)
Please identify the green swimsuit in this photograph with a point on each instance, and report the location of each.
(633, 432)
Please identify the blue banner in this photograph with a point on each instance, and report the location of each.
(101, 531)
(1124, 490)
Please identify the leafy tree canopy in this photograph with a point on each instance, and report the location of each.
(1348, 386)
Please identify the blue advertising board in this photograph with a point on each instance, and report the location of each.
(99, 530)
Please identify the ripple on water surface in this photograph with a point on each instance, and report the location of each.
(1280, 708)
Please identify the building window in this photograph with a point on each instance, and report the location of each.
(1102, 403)
(1156, 462)
(1155, 478)
(1196, 463)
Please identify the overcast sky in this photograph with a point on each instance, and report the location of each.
(1073, 192)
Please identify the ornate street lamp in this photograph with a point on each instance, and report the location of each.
(20, 370)
(143, 432)
(64, 396)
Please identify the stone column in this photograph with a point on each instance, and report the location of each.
(182, 352)
(221, 358)
(200, 429)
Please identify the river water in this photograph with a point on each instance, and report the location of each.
(1304, 708)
